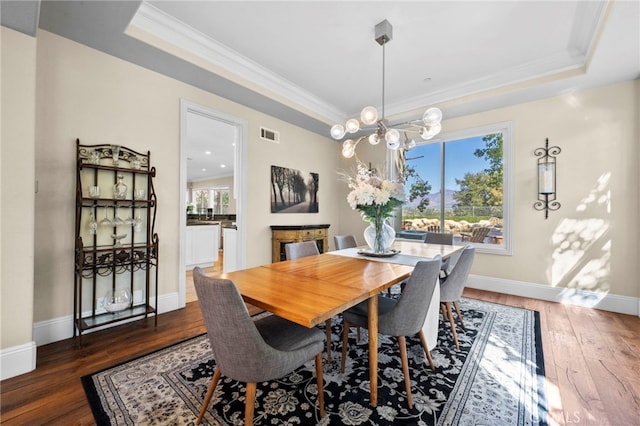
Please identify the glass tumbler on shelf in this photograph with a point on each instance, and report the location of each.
(120, 189)
(94, 191)
(139, 194)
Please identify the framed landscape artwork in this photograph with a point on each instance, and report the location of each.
(293, 191)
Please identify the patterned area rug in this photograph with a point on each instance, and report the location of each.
(496, 378)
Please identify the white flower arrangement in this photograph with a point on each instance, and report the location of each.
(374, 197)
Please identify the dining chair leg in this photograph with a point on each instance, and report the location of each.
(457, 306)
(328, 331)
(453, 324)
(345, 342)
(405, 369)
(207, 398)
(320, 383)
(249, 403)
(444, 311)
(423, 341)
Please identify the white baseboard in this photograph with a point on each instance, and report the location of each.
(17, 360)
(22, 359)
(591, 299)
(61, 328)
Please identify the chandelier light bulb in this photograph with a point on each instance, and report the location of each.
(409, 144)
(374, 139)
(352, 125)
(348, 148)
(369, 115)
(429, 132)
(432, 116)
(337, 131)
(393, 139)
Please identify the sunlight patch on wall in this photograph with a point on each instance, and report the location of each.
(581, 259)
(600, 195)
(579, 248)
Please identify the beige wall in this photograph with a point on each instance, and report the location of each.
(100, 99)
(18, 186)
(591, 243)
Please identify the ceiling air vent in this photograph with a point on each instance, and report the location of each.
(269, 135)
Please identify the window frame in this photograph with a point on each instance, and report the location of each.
(506, 128)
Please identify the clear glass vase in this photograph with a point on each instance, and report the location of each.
(379, 236)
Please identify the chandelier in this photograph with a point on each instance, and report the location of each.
(396, 136)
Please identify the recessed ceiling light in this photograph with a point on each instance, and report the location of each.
(208, 152)
(426, 79)
(223, 165)
(204, 170)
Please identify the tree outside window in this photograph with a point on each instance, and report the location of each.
(457, 185)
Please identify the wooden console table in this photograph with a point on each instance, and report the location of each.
(284, 234)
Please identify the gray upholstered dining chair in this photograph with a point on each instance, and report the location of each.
(402, 317)
(304, 249)
(451, 288)
(344, 241)
(252, 351)
(440, 238)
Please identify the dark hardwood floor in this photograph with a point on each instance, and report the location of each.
(592, 363)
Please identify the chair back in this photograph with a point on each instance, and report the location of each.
(344, 241)
(479, 234)
(238, 347)
(439, 238)
(451, 288)
(408, 315)
(302, 249)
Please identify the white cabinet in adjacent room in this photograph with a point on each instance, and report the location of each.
(229, 264)
(202, 243)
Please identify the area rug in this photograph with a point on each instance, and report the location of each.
(496, 378)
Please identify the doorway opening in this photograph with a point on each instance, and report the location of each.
(212, 155)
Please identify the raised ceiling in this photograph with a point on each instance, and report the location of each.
(321, 56)
(314, 63)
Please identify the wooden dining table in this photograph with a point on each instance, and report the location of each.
(312, 289)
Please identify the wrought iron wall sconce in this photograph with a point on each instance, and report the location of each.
(546, 178)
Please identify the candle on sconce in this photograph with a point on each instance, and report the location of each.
(546, 178)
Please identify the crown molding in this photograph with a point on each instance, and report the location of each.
(558, 66)
(589, 20)
(588, 23)
(174, 32)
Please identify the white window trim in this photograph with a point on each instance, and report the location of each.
(506, 128)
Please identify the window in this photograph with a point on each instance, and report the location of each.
(460, 184)
(211, 201)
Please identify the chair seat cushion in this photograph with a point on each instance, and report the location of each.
(358, 315)
(285, 335)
